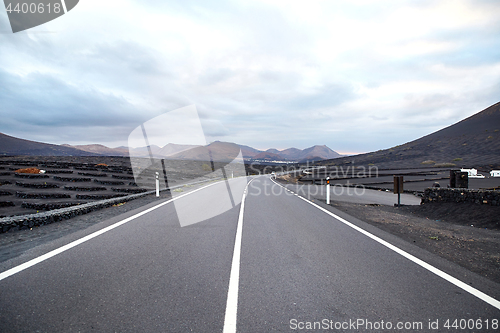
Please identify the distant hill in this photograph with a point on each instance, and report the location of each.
(226, 151)
(291, 154)
(10, 145)
(317, 152)
(273, 151)
(158, 152)
(144, 151)
(248, 152)
(172, 148)
(100, 149)
(268, 156)
(216, 151)
(313, 153)
(221, 150)
(472, 142)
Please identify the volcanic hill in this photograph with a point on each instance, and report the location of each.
(472, 142)
(10, 145)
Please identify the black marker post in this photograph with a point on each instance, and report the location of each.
(398, 187)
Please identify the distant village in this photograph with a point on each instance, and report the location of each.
(473, 173)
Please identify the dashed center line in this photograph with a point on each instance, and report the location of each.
(230, 319)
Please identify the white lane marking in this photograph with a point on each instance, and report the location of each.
(64, 6)
(234, 278)
(66, 247)
(479, 294)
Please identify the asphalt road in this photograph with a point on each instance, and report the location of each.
(268, 261)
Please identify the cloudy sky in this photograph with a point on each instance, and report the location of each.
(355, 75)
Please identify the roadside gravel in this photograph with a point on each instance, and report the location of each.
(456, 232)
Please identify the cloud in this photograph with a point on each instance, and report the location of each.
(127, 56)
(264, 73)
(326, 96)
(51, 105)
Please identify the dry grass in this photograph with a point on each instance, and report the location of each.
(444, 165)
(28, 170)
(289, 178)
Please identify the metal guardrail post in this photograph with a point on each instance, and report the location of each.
(157, 181)
(327, 190)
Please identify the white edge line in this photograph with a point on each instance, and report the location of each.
(66, 247)
(64, 6)
(479, 294)
(230, 318)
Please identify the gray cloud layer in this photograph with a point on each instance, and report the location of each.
(355, 76)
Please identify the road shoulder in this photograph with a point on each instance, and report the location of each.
(476, 249)
(403, 240)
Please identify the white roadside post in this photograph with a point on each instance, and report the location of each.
(157, 180)
(327, 190)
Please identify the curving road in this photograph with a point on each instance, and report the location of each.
(269, 261)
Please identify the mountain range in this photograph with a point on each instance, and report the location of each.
(314, 153)
(221, 150)
(472, 142)
(10, 145)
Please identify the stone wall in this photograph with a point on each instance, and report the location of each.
(480, 197)
(31, 220)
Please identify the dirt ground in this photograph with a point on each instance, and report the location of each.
(466, 234)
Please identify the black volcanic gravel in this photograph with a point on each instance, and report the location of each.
(28, 193)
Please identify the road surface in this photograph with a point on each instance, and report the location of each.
(359, 194)
(273, 261)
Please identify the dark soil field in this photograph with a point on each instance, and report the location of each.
(74, 180)
(67, 181)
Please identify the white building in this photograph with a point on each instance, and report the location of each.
(472, 173)
(495, 173)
